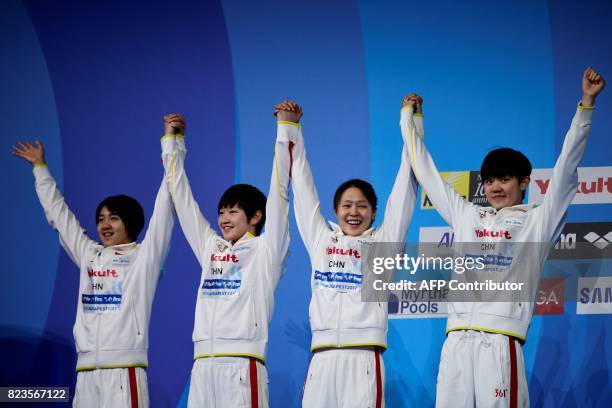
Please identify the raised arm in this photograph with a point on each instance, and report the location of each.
(72, 236)
(156, 242)
(564, 179)
(400, 204)
(307, 207)
(195, 227)
(450, 205)
(276, 232)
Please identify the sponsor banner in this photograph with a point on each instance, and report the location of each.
(594, 295)
(459, 180)
(467, 183)
(443, 237)
(477, 193)
(594, 185)
(550, 300)
(584, 240)
(413, 304)
(550, 297)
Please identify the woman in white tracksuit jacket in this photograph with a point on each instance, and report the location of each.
(348, 335)
(481, 364)
(118, 279)
(240, 272)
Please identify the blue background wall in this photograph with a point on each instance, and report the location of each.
(92, 81)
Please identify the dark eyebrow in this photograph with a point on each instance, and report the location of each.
(350, 201)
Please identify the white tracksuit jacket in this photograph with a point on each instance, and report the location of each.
(338, 317)
(117, 283)
(235, 298)
(538, 226)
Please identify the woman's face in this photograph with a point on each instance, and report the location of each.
(354, 212)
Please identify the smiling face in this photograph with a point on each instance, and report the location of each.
(354, 212)
(233, 223)
(505, 191)
(111, 229)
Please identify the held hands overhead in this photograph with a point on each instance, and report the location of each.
(415, 100)
(592, 85)
(174, 124)
(288, 111)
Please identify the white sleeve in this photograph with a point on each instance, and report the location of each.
(400, 204)
(564, 179)
(195, 227)
(276, 232)
(447, 201)
(72, 236)
(156, 242)
(307, 207)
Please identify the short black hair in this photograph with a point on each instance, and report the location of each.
(505, 162)
(128, 209)
(365, 187)
(249, 199)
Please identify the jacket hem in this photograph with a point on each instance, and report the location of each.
(230, 348)
(111, 359)
(489, 323)
(349, 338)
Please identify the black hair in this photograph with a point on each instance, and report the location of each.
(128, 209)
(505, 162)
(249, 199)
(365, 187)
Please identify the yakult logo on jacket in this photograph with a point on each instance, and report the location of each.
(224, 258)
(339, 251)
(487, 233)
(107, 273)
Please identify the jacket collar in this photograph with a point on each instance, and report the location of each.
(245, 238)
(513, 210)
(120, 247)
(337, 230)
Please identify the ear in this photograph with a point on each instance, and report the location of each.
(524, 183)
(373, 216)
(255, 218)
